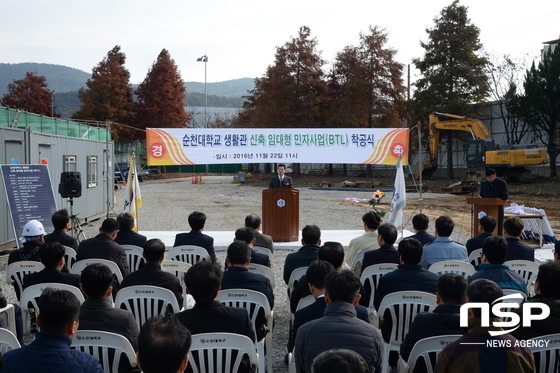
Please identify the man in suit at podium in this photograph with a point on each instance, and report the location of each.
(280, 181)
(495, 188)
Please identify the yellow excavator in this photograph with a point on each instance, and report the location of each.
(509, 161)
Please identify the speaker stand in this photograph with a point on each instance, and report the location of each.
(75, 224)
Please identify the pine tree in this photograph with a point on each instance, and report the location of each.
(453, 71)
(292, 93)
(30, 94)
(161, 95)
(108, 96)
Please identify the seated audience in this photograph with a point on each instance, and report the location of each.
(492, 267)
(238, 276)
(163, 346)
(247, 235)
(262, 240)
(339, 361)
(487, 224)
(547, 291)
(4, 318)
(339, 327)
(195, 237)
(315, 277)
(208, 315)
(443, 247)
(409, 275)
(51, 255)
(311, 239)
(103, 246)
(367, 241)
(97, 312)
(386, 236)
(471, 353)
(127, 235)
(61, 224)
(33, 234)
(451, 294)
(517, 250)
(152, 274)
(50, 351)
(420, 223)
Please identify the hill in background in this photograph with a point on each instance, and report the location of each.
(65, 82)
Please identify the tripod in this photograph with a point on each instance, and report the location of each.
(75, 224)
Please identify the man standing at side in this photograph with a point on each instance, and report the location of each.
(443, 248)
(366, 241)
(195, 237)
(103, 246)
(262, 240)
(50, 351)
(280, 181)
(311, 239)
(495, 188)
(339, 327)
(61, 224)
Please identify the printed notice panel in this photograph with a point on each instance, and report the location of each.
(184, 146)
(30, 196)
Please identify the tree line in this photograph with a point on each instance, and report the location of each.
(362, 87)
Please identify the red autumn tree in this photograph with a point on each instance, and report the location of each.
(30, 94)
(161, 96)
(108, 96)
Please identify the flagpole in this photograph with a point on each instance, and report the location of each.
(421, 162)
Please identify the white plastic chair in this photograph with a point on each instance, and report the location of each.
(263, 250)
(547, 357)
(475, 257)
(253, 301)
(9, 318)
(179, 269)
(453, 266)
(17, 270)
(263, 270)
(69, 257)
(428, 349)
(107, 347)
(80, 265)
(403, 306)
(220, 352)
(371, 275)
(32, 293)
(187, 253)
(8, 341)
(356, 264)
(526, 269)
(294, 278)
(305, 301)
(146, 301)
(134, 256)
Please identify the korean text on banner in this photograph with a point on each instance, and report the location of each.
(184, 146)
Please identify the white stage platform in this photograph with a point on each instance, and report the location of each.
(222, 239)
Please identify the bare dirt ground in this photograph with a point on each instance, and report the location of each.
(542, 194)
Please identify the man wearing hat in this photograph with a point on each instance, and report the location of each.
(33, 233)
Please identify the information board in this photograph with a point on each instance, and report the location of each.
(30, 196)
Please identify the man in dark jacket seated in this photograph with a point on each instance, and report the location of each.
(339, 327)
(50, 351)
(61, 224)
(451, 294)
(52, 256)
(386, 236)
(126, 235)
(517, 250)
(487, 226)
(420, 223)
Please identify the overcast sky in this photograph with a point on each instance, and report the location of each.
(240, 37)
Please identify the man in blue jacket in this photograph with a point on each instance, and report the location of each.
(50, 351)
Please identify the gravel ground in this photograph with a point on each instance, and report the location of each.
(167, 204)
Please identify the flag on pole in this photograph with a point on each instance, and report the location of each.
(132, 195)
(398, 202)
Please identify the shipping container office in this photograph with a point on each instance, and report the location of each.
(92, 158)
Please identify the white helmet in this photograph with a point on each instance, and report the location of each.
(33, 228)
